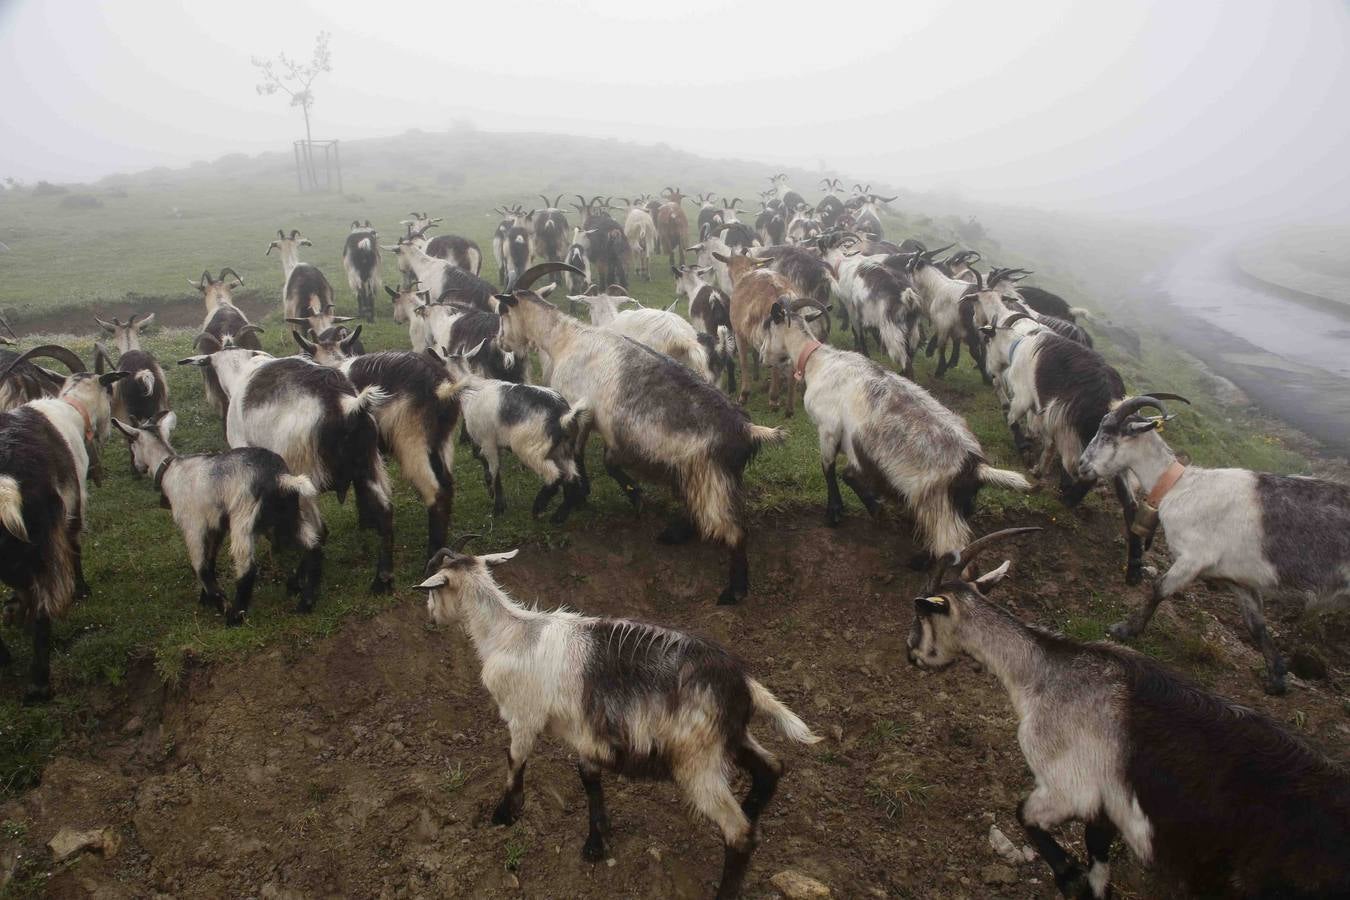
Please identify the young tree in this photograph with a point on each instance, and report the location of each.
(295, 80)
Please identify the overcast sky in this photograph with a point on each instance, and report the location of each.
(1177, 108)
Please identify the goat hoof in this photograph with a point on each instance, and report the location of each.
(729, 597)
(382, 585)
(234, 618)
(1134, 574)
(1073, 882)
(594, 850)
(504, 814)
(37, 694)
(833, 516)
(82, 590)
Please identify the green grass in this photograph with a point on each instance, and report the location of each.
(143, 612)
(898, 793)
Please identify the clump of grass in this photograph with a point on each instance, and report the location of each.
(895, 794)
(515, 854)
(885, 731)
(13, 830)
(455, 778)
(27, 737)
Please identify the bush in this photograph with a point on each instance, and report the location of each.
(47, 189)
(81, 201)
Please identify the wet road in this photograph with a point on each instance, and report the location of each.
(1290, 358)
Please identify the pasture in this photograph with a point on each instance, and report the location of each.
(352, 751)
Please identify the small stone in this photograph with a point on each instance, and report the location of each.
(655, 852)
(133, 725)
(611, 862)
(837, 732)
(1002, 846)
(68, 842)
(796, 886)
(998, 873)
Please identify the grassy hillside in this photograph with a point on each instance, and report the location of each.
(154, 230)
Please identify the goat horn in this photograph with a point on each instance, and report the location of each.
(932, 253)
(534, 273)
(1015, 317)
(230, 271)
(4, 323)
(965, 556)
(1132, 405)
(61, 354)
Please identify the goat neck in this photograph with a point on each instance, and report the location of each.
(1004, 646)
(545, 327)
(492, 620)
(795, 340)
(1148, 457)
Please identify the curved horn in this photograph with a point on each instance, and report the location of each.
(1132, 405)
(1015, 317)
(61, 354)
(965, 556)
(4, 323)
(228, 270)
(932, 253)
(534, 273)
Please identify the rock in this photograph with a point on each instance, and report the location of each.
(997, 873)
(655, 852)
(1003, 847)
(1308, 664)
(796, 886)
(69, 842)
(133, 725)
(837, 732)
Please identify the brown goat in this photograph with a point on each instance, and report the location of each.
(754, 290)
(672, 225)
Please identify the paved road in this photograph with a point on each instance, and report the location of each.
(1292, 359)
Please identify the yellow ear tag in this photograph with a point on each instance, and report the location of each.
(937, 601)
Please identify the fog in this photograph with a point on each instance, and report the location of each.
(1201, 111)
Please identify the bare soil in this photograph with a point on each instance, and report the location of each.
(367, 763)
(178, 312)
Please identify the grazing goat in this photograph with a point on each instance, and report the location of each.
(145, 394)
(710, 314)
(1130, 749)
(416, 420)
(672, 224)
(441, 279)
(361, 259)
(662, 330)
(652, 414)
(940, 298)
(899, 441)
(248, 492)
(458, 251)
(640, 230)
(308, 293)
(756, 288)
(314, 418)
(48, 450)
(288, 248)
(224, 322)
(534, 423)
(667, 705)
(1260, 534)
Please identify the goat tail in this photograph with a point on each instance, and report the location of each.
(146, 377)
(1005, 478)
(787, 722)
(366, 401)
(576, 418)
(300, 485)
(762, 434)
(11, 508)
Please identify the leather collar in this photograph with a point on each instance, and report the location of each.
(1165, 483)
(800, 371)
(84, 414)
(159, 472)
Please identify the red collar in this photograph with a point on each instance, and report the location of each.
(84, 414)
(800, 372)
(1165, 483)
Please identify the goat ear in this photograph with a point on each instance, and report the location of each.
(146, 322)
(545, 290)
(435, 581)
(1138, 425)
(106, 326)
(496, 559)
(986, 582)
(165, 423)
(932, 606)
(127, 431)
(721, 258)
(477, 348)
(987, 330)
(777, 312)
(391, 292)
(108, 379)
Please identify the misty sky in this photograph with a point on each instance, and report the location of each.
(1181, 108)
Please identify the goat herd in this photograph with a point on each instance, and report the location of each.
(1113, 739)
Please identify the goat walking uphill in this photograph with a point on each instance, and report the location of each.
(631, 698)
(654, 415)
(1130, 749)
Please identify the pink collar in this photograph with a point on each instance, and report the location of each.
(802, 358)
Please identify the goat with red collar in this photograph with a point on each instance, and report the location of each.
(898, 439)
(48, 450)
(1262, 534)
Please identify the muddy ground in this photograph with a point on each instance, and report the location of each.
(366, 764)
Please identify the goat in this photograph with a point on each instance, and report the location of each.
(710, 216)
(440, 278)
(416, 420)
(755, 290)
(534, 423)
(672, 705)
(867, 216)
(940, 297)
(361, 259)
(880, 299)
(654, 414)
(512, 217)
(459, 252)
(224, 322)
(707, 253)
(517, 253)
(319, 321)
(662, 330)
(549, 231)
(709, 313)
(1069, 388)
(672, 224)
(899, 441)
(790, 199)
(1261, 534)
(578, 259)
(145, 394)
(288, 248)
(308, 293)
(315, 419)
(830, 208)
(1130, 749)
(248, 491)
(1039, 299)
(811, 275)
(804, 227)
(48, 451)
(640, 230)
(606, 244)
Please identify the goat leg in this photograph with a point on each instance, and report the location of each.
(1276, 669)
(738, 580)
(1097, 837)
(854, 481)
(630, 488)
(834, 503)
(243, 596)
(1134, 560)
(1069, 875)
(545, 497)
(308, 575)
(594, 848)
(40, 672)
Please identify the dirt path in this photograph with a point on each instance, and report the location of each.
(365, 765)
